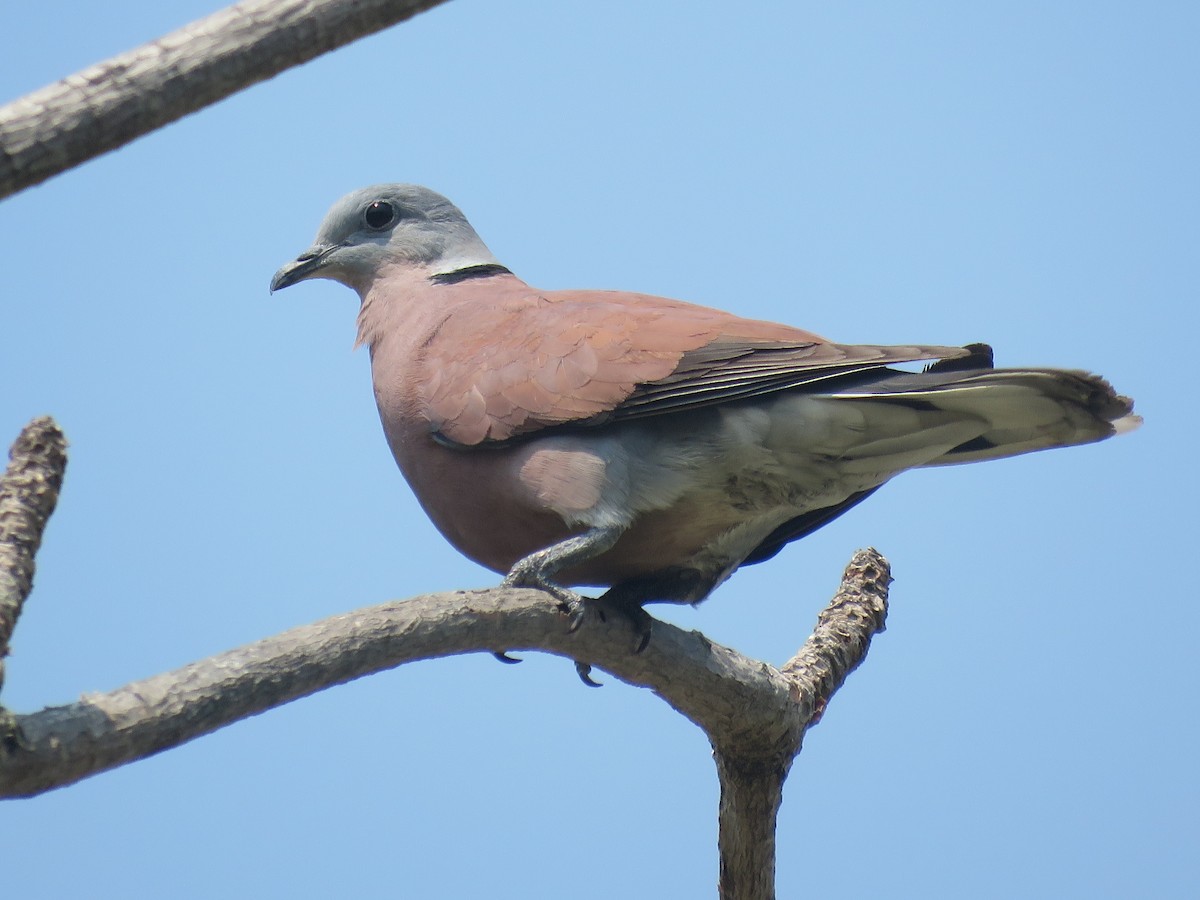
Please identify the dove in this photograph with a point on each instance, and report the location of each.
(645, 445)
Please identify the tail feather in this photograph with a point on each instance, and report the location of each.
(1015, 410)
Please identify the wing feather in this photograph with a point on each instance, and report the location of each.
(499, 371)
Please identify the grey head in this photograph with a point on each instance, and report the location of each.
(387, 225)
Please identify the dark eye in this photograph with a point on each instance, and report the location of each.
(379, 215)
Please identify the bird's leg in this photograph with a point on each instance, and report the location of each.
(537, 569)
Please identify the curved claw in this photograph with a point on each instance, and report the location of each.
(584, 671)
(643, 626)
(578, 612)
(502, 656)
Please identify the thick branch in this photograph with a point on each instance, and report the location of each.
(110, 104)
(751, 792)
(63, 744)
(729, 695)
(28, 494)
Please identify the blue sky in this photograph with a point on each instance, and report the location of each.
(1022, 173)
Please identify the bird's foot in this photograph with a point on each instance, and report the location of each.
(605, 609)
(580, 609)
(537, 569)
(575, 606)
(527, 573)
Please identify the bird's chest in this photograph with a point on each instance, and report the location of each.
(474, 496)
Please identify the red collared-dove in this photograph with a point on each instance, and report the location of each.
(642, 444)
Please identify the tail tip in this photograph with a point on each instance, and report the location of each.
(1126, 423)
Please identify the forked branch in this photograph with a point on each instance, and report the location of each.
(755, 715)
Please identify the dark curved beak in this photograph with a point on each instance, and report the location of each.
(306, 265)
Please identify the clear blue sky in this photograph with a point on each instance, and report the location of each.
(1021, 173)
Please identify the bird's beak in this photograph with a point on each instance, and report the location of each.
(306, 265)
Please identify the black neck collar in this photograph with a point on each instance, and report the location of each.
(485, 270)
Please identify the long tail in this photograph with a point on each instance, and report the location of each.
(956, 411)
(1016, 410)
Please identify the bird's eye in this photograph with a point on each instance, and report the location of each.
(379, 215)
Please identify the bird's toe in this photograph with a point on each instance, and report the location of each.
(605, 609)
(532, 577)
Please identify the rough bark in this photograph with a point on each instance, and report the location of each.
(109, 104)
(740, 703)
(28, 495)
(751, 793)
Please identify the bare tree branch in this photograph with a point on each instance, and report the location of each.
(28, 495)
(844, 630)
(739, 702)
(752, 766)
(111, 103)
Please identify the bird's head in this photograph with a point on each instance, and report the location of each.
(384, 226)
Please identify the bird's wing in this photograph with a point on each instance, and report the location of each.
(504, 371)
